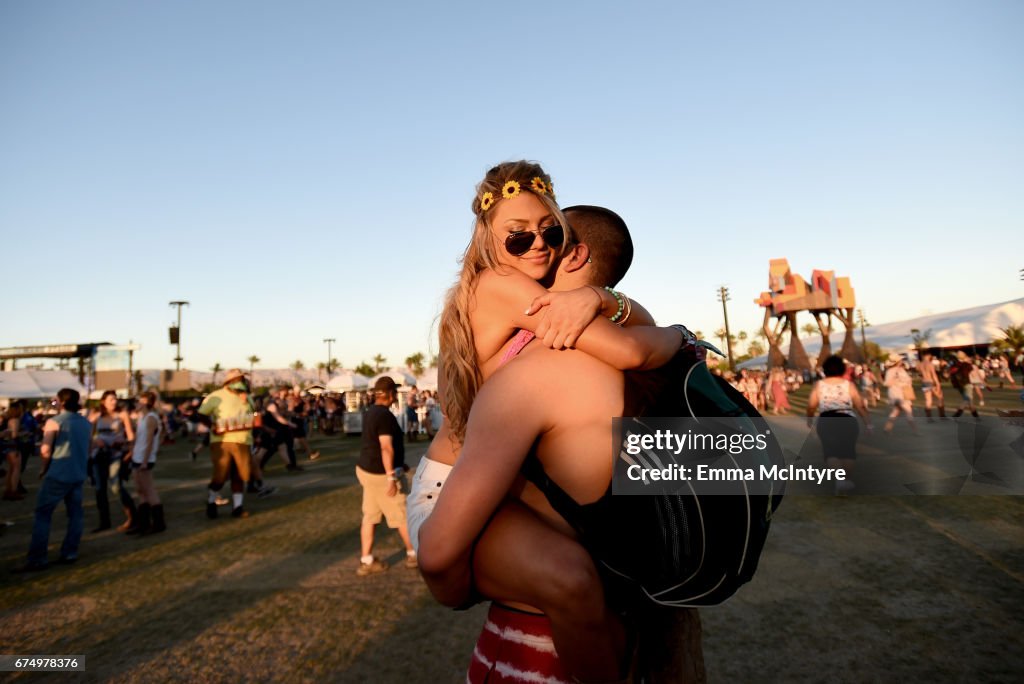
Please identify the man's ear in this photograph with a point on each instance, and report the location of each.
(576, 258)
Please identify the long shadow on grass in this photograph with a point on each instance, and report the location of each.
(187, 613)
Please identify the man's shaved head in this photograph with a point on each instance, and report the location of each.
(606, 234)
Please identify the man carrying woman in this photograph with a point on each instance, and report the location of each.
(520, 237)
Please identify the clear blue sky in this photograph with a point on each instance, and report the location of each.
(301, 170)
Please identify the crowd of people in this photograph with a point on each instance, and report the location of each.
(115, 449)
(970, 376)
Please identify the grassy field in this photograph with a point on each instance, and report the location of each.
(850, 589)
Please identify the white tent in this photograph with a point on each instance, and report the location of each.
(979, 325)
(37, 384)
(346, 381)
(428, 380)
(401, 376)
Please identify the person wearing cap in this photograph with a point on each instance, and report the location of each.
(899, 385)
(380, 471)
(231, 416)
(960, 376)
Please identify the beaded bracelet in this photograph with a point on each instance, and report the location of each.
(629, 311)
(622, 304)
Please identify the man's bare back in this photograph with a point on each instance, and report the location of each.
(560, 403)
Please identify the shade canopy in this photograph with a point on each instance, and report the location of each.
(346, 381)
(37, 384)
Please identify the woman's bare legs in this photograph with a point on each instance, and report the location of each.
(520, 558)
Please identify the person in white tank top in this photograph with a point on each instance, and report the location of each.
(147, 443)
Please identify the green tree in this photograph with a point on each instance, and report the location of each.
(742, 337)
(809, 329)
(755, 348)
(253, 360)
(920, 338)
(415, 363)
(320, 368)
(333, 365)
(216, 368)
(365, 369)
(378, 363)
(874, 352)
(1012, 341)
(720, 334)
(297, 365)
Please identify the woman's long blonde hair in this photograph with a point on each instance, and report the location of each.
(460, 366)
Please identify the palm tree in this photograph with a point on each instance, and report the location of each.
(332, 365)
(755, 348)
(297, 365)
(378, 363)
(1012, 341)
(699, 334)
(742, 336)
(415, 363)
(365, 369)
(720, 334)
(920, 338)
(216, 368)
(320, 367)
(253, 360)
(809, 329)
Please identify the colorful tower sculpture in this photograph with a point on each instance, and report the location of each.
(788, 294)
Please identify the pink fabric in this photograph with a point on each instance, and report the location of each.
(519, 342)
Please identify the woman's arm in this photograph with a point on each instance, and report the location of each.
(859, 407)
(129, 431)
(812, 405)
(503, 300)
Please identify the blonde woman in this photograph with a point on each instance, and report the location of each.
(519, 237)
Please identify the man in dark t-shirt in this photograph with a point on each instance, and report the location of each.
(381, 470)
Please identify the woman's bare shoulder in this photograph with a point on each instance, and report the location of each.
(504, 281)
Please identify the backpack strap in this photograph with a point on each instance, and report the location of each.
(563, 504)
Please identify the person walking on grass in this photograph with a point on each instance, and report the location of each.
(231, 417)
(960, 377)
(148, 433)
(931, 387)
(899, 386)
(381, 472)
(65, 459)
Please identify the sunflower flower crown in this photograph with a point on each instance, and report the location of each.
(512, 188)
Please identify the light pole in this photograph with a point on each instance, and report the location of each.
(863, 323)
(176, 334)
(723, 296)
(329, 341)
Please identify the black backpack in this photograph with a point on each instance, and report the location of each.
(687, 549)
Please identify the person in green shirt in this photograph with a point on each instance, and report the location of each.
(230, 414)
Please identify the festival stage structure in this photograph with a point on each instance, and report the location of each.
(824, 297)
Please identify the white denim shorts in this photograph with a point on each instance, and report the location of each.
(426, 487)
